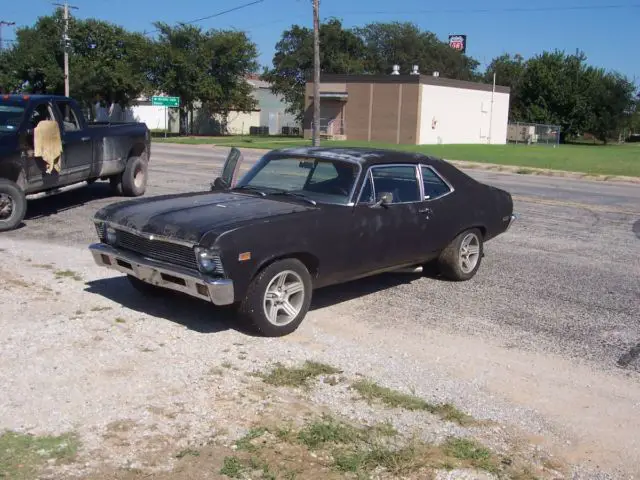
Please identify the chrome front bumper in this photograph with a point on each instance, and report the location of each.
(217, 291)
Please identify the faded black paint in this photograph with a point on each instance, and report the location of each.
(104, 154)
(337, 242)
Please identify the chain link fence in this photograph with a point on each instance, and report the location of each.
(533, 134)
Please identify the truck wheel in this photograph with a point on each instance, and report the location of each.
(13, 205)
(133, 181)
(461, 259)
(278, 298)
(134, 177)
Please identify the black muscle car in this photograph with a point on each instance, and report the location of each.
(301, 219)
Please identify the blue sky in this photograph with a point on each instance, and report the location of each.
(608, 36)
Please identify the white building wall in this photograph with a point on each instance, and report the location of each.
(456, 115)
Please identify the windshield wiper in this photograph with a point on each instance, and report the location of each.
(296, 194)
(251, 188)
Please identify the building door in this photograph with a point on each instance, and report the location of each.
(273, 123)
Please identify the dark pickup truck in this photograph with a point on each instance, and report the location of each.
(46, 145)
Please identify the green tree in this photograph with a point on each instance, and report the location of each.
(404, 44)
(106, 62)
(341, 51)
(509, 72)
(554, 89)
(208, 67)
(613, 100)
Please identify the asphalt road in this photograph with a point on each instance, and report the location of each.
(564, 279)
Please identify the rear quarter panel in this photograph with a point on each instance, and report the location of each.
(477, 204)
(114, 143)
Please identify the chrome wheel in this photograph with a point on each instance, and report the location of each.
(6, 206)
(469, 252)
(284, 298)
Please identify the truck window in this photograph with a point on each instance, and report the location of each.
(10, 118)
(41, 112)
(70, 122)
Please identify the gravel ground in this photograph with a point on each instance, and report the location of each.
(542, 341)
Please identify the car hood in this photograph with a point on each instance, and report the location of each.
(190, 216)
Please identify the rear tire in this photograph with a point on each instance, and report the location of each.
(461, 259)
(278, 298)
(133, 181)
(13, 205)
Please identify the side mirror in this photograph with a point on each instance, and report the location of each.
(384, 199)
(219, 184)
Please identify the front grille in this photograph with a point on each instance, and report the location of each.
(101, 230)
(157, 249)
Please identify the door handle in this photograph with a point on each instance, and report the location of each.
(426, 210)
(85, 139)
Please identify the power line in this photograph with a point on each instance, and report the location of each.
(494, 10)
(212, 16)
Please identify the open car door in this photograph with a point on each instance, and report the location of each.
(230, 171)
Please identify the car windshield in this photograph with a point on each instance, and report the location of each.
(10, 118)
(321, 180)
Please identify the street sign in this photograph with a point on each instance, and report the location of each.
(165, 101)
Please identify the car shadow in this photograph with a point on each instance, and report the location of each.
(195, 314)
(203, 317)
(60, 202)
(344, 292)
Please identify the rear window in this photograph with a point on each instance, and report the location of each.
(10, 117)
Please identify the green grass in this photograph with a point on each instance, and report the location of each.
(22, 456)
(281, 376)
(371, 391)
(590, 159)
(68, 274)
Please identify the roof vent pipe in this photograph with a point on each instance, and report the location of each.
(436, 74)
(396, 70)
(415, 70)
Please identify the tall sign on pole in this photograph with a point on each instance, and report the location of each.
(316, 74)
(66, 43)
(458, 42)
(166, 102)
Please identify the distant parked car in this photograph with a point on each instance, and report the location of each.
(302, 219)
(46, 145)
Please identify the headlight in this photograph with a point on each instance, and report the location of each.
(110, 235)
(208, 261)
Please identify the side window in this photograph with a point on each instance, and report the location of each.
(367, 191)
(41, 112)
(400, 181)
(69, 121)
(434, 186)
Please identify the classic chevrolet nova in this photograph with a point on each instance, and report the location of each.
(302, 219)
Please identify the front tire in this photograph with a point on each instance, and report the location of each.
(13, 205)
(278, 298)
(461, 259)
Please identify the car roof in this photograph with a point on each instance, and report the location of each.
(361, 155)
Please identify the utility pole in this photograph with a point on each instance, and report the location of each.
(65, 42)
(2, 23)
(316, 74)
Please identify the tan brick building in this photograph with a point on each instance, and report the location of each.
(408, 109)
